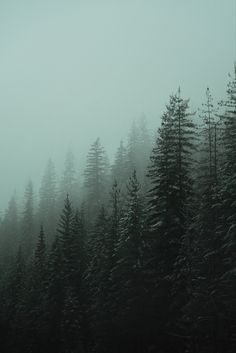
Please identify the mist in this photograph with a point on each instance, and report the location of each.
(118, 176)
(71, 71)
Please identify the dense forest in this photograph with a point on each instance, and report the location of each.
(141, 256)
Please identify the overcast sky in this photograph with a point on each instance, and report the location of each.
(74, 70)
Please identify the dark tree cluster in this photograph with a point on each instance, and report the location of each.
(141, 257)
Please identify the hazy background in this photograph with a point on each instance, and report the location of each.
(74, 70)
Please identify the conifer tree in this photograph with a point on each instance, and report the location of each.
(72, 248)
(127, 272)
(119, 168)
(229, 145)
(138, 149)
(96, 174)
(144, 151)
(81, 243)
(114, 220)
(28, 222)
(170, 207)
(68, 183)
(9, 237)
(40, 259)
(47, 201)
(205, 257)
(97, 277)
(227, 228)
(68, 242)
(35, 297)
(170, 171)
(55, 297)
(133, 148)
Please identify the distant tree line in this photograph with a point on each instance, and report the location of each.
(139, 258)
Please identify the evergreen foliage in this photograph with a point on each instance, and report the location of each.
(143, 258)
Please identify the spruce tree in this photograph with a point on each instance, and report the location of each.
(71, 276)
(35, 298)
(40, 253)
(138, 150)
(47, 201)
(227, 228)
(127, 272)
(96, 177)
(119, 168)
(9, 235)
(170, 209)
(68, 184)
(205, 257)
(55, 297)
(229, 146)
(133, 149)
(97, 279)
(68, 243)
(28, 222)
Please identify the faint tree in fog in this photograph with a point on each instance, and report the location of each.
(68, 184)
(96, 176)
(9, 240)
(47, 202)
(120, 166)
(28, 222)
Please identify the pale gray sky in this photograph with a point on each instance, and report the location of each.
(74, 70)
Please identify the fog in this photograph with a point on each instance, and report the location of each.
(71, 71)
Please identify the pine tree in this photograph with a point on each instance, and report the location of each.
(114, 220)
(9, 237)
(119, 168)
(229, 145)
(170, 209)
(133, 148)
(81, 285)
(227, 228)
(35, 298)
(96, 173)
(138, 149)
(40, 257)
(171, 171)
(127, 273)
(72, 248)
(209, 140)
(205, 257)
(97, 278)
(68, 183)
(55, 297)
(28, 222)
(47, 202)
(68, 243)
(144, 151)
(80, 243)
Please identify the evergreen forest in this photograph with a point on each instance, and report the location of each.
(136, 256)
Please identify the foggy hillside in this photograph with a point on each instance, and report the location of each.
(71, 71)
(118, 176)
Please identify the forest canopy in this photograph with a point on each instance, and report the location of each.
(139, 254)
